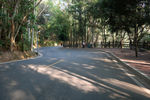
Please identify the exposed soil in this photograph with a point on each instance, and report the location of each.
(6, 56)
(141, 63)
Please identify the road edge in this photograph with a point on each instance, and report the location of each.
(39, 55)
(130, 68)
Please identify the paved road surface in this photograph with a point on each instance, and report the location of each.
(69, 74)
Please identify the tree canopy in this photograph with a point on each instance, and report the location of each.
(72, 22)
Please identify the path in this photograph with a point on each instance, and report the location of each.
(69, 74)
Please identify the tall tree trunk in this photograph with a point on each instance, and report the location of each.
(0, 33)
(122, 38)
(29, 31)
(92, 36)
(32, 41)
(33, 30)
(22, 38)
(136, 40)
(104, 37)
(130, 44)
(76, 40)
(73, 40)
(88, 35)
(113, 40)
(12, 40)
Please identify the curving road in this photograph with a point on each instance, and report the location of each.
(69, 74)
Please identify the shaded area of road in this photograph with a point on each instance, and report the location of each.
(68, 74)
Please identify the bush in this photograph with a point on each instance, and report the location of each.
(25, 44)
(5, 44)
(48, 43)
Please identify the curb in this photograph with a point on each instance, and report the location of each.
(132, 69)
(39, 55)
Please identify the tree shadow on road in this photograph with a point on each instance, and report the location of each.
(68, 79)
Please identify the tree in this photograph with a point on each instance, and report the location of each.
(55, 26)
(14, 16)
(126, 15)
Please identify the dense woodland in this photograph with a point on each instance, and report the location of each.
(23, 23)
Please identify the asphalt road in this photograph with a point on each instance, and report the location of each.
(69, 74)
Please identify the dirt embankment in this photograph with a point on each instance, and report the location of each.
(6, 56)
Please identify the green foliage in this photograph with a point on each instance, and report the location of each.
(82, 20)
(146, 37)
(14, 13)
(24, 44)
(49, 43)
(56, 27)
(60, 25)
(5, 43)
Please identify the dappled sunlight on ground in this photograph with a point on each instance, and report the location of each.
(142, 66)
(133, 61)
(13, 83)
(88, 85)
(77, 64)
(102, 87)
(88, 66)
(64, 77)
(21, 95)
(51, 59)
(124, 85)
(102, 59)
(70, 76)
(128, 86)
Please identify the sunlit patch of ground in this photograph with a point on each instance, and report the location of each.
(88, 66)
(128, 86)
(65, 77)
(88, 85)
(21, 95)
(124, 85)
(102, 59)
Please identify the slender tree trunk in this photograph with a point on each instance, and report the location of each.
(33, 31)
(0, 33)
(76, 41)
(88, 35)
(122, 38)
(37, 42)
(22, 38)
(29, 31)
(136, 41)
(12, 41)
(113, 41)
(71, 38)
(136, 49)
(92, 36)
(76, 38)
(104, 37)
(32, 41)
(130, 44)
